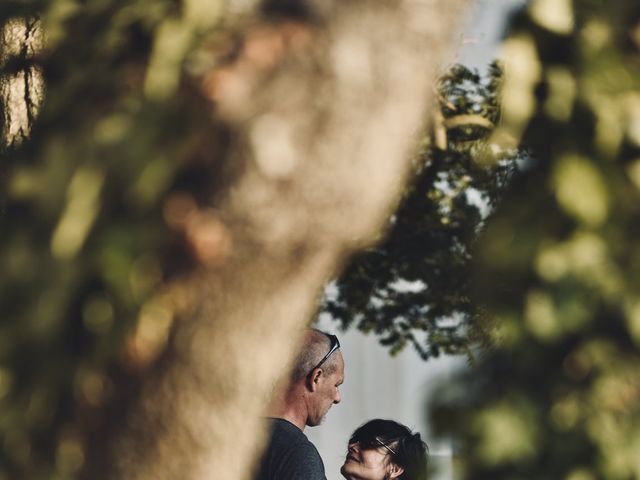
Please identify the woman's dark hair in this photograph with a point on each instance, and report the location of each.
(406, 449)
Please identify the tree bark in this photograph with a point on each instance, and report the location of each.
(323, 125)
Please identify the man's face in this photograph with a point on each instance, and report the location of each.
(327, 392)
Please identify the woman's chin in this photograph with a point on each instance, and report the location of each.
(344, 470)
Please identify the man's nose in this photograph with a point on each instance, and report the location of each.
(353, 447)
(337, 398)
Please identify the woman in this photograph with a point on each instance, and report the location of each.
(385, 450)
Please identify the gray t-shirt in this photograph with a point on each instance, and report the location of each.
(290, 455)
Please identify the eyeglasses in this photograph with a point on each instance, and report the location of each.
(371, 444)
(335, 345)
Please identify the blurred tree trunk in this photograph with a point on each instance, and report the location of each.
(323, 117)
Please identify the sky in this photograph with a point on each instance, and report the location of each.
(483, 30)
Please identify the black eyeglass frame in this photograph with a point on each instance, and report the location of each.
(384, 445)
(335, 345)
(372, 444)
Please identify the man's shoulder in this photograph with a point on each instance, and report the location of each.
(285, 429)
(290, 454)
(291, 438)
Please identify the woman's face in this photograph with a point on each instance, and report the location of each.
(369, 464)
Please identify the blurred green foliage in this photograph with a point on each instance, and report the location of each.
(413, 288)
(83, 242)
(558, 268)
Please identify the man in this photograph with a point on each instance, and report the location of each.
(314, 386)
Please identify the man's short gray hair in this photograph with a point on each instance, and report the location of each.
(315, 345)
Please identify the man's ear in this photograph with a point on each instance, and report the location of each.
(395, 471)
(313, 379)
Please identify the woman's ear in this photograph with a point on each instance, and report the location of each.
(395, 471)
